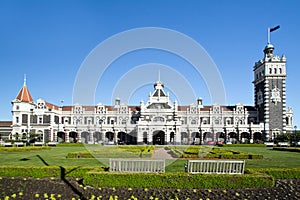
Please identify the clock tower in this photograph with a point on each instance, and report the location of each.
(270, 92)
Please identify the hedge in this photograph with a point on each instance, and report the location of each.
(278, 173)
(96, 176)
(242, 145)
(47, 171)
(177, 180)
(287, 149)
(23, 149)
(81, 154)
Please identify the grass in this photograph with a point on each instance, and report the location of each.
(272, 158)
(56, 156)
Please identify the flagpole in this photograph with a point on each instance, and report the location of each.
(269, 36)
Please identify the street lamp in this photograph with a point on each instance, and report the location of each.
(200, 132)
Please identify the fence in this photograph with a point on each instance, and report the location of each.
(216, 166)
(136, 165)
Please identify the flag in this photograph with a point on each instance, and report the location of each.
(274, 28)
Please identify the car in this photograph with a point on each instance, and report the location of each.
(219, 143)
(210, 143)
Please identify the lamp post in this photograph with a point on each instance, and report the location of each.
(295, 136)
(200, 132)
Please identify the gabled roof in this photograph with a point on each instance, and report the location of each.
(24, 95)
(159, 93)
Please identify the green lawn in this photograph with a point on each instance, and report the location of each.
(56, 156)
(272, 158)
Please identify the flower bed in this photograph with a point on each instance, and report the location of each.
(71, 189)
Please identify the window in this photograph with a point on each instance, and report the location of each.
(270, 70)
(17, 107)
(17, 119)
(228, 121)
(40, 120)
(275, 71)
(280, 71)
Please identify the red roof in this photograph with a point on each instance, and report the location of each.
(52, 106)
(5, 123)
(67, 108)
(24, 95)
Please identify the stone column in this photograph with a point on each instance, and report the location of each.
(67, 136)
(150, 137)
(91, 138)
(79, 136)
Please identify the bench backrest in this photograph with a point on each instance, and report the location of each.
(136, 165)
(216, 166)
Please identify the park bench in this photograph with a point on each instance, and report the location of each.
(269, 144)
(39, 144)
(283, 144)
(216, 166)
(19, 144)
(7, 144)
(136, 165)
(53, 144)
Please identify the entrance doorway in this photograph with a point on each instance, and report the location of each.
(158, 137)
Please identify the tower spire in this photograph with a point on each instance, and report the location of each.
(159, 75)
(24, 94)
(24, 80)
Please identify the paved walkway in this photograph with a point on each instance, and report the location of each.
(161, 153)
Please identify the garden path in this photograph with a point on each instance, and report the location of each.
(161, 153)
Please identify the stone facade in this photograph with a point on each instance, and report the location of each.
(270, 93)
(160, 121)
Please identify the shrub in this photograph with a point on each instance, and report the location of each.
(290, 149)
(177, 180)
(242, 145)
(279, 173)
(23, 149)
(47, 171)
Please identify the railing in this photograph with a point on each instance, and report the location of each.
(136, 165)
(216, 166)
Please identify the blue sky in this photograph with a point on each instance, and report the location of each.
(48, 40)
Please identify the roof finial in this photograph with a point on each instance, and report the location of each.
(159, 75)
(24, 79)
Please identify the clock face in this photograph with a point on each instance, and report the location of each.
(275, 95)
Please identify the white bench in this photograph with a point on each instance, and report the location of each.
(216, 166)
(283, 144)
(7, 144)
(51, 143)
(39, 144)
(269, 144)
(136, 165)
(19, 144)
